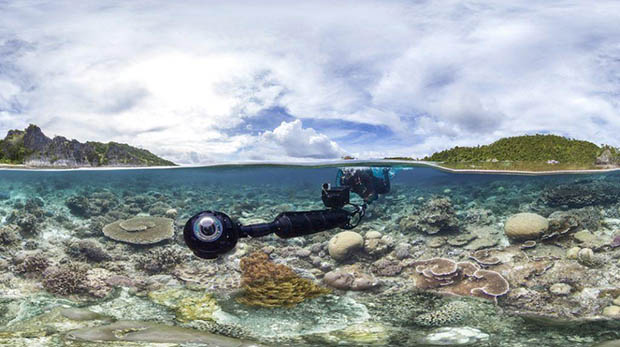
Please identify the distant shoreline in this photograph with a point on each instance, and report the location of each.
(522, 172)
(317, 164)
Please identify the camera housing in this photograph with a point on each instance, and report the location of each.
(210, 233)
(335, 197)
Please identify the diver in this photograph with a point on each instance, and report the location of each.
(368, 183)
(211, 233)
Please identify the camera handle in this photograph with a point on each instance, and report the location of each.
(292, 224)
(210, 233)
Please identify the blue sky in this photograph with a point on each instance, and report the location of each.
(208, 81)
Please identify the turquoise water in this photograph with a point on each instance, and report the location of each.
(54, 255)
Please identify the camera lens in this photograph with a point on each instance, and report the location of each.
(208, 229)
(210, 233)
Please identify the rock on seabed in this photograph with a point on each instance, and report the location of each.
(455, 337)
(137, 331)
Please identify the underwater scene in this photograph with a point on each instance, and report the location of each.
(101, 257)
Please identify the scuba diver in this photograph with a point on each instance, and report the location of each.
(211, 233)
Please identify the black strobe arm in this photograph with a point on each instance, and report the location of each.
(292, 224)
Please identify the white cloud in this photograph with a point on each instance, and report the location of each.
(180, 78)
(299, 142)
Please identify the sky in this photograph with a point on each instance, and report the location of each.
(200, 82)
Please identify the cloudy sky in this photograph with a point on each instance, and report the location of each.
(205, 81)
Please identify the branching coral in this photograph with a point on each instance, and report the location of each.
(437, 215)
(267, 284)
(89, 249)
(65, 279)
(33, 264)
(159, 260)
(8, 235)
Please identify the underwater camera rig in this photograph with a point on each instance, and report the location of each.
(211, 233)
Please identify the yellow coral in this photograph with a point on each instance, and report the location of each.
(268, 284)
(200, 308)
(188, 305)
(168, 297)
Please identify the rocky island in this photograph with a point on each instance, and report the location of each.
(31, 148)
(530, 153)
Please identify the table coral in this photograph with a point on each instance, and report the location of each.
(463, 278)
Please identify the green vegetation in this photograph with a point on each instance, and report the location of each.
(531, 153)
(12, 150)
(519, 166)
(530, 148)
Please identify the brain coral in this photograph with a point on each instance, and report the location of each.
(526, 226)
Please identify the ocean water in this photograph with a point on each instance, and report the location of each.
(66, 281)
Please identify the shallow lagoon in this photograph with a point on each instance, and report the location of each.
(54, 256)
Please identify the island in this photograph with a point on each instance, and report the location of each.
(31, 148)
(528, 153)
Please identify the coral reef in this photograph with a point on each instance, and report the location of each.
(267, 284)
(525, 226)
(196, 308)
(27, 222)
(88, 249)
(344, 243)
(323, 314)
(484, 257)
(95, 282)
(349, 278)
(581, 194)
(160, 259)
(35, 263)
(448, 314)
(464, 278)
(437, 215)
(79, 206)
(413, 272)
(8, 235)
(142, 230)
(65, 279)
(188, 305)
(386, 267)
(377, 245)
